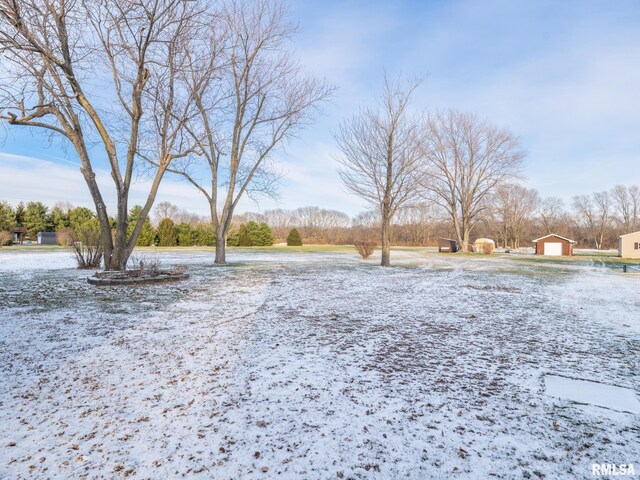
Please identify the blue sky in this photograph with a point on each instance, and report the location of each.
(563, 76)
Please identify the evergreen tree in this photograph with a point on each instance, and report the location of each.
(167, 233)
(59, 218)
(7, 216)
(244, 239)
(265, 236)
(35, 218)
(253, 234)
(20, 214)
(204, 235)
(294, 239)
(147, 234)
(233, 238)
(79, 216)
(186, 235)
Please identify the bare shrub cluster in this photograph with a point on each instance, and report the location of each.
(365, 249)
(5, 238)
(87, 246)
(140, 265)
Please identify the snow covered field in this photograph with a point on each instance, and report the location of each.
(315, 366)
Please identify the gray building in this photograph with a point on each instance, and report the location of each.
(47, 238)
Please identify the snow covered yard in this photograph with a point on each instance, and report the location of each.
(315, 366)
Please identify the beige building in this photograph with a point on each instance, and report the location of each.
(484, 245)
(629, 245)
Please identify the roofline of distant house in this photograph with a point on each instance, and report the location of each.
(553, 235)
(630, 233)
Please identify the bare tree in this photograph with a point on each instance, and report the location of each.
(466, 160)
(318, 224)
(166, 210)
(251, 96)
(593, 216)
(512, 206)
(550, 213)
(380, 151)
(626, 202)
(367, 219)
(414, 224)
(64, 207)
(366, 226)
(602, 203)
(584, 216)
(100, 72)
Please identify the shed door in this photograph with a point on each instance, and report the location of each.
(553, 248)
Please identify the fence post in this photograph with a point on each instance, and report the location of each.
(624, 268)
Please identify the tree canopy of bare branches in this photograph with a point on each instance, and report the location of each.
(511, 207)
(465, 160)
(626, 204)
(550, 213)
(380, 150)
(105, 73)
(251, 97)
(593, 215)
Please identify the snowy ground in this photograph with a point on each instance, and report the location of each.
(315, 366)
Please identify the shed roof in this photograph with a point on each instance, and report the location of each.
(553, 235)
(628, 234)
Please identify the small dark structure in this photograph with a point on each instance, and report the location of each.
(18, 234)
(447, 245)
(47, 238)
(554, 245)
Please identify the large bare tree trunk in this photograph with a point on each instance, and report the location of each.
(386, 242)
(221, 246)
(466, 236)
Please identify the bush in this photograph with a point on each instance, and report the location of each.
(243, 236)
(79, 216)
(65, 236)
(144, 265)
(87, 245)
(5, 238)
(186, 235)
(294, 239)
(233, 238)
(253, 234)
(147, 233)
(167, 234)
(203, 235)
(365, 249)
(265, 236)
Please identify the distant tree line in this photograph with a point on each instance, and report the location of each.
(512, 215)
